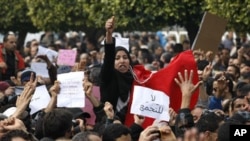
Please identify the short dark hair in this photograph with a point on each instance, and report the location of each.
(114, 131)
(177, 48)
(244, 90)
(224, 130)
(167, 56)
(84, 136)
(237, 69)
(5, 38)
(56, 123)
(184, 120)
(234, 99)
(201, 64)
(146, 55)
(209, 121)
(28, 44)
(94, 75)
(229, 84)
(16, 133)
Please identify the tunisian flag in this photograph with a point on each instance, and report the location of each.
(163, 80)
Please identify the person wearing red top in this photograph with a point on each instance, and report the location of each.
(11, 60)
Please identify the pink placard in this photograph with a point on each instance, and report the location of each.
(66, 57)
(89, 107)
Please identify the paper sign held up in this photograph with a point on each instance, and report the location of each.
(71, 90)
(51, 54)
(40, 69)
(66, 57)
(150, 103)
(210, 33)
(120, 42)
(40, 99)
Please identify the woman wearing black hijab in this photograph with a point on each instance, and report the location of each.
(116, 78)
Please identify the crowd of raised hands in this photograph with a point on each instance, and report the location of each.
(183, 125)
(158, 130)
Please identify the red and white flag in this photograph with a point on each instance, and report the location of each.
(163, 81)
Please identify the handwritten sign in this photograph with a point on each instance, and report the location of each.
(40, 99)
(150, 103)
(66, 57)
(71, 90)
(40, 69)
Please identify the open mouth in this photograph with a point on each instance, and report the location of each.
(122, 67)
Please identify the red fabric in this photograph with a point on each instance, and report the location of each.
(163, 80)
(1, 54)
(21, 63)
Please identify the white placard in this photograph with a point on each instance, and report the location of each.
(120, 42)
(40, 69)
(123, 42)
(150, 103)
(71, 90)
(40, 99)
(51, 54)
(41, 50)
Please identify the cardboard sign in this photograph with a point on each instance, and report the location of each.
(66, 57)
(210, 33)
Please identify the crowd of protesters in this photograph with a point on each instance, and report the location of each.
(224, 89)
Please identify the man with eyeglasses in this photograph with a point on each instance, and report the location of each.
(10, 59)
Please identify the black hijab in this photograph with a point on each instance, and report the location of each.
(125, 80)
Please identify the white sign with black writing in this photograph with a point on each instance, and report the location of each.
(150, 103)
(71, 90)
(39, 100)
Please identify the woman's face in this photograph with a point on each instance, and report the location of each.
(121, 61)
